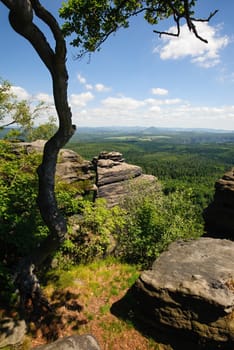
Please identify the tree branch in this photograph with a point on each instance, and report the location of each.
(189, 21)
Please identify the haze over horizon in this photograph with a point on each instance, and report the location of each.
(138, 79)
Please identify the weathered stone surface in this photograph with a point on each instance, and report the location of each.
(219, 216)
(74, 342)
(190, 290)
(12, 332)
(112, 175)
(71, 167)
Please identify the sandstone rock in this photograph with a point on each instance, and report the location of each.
(76, 342)
(12, 332)
(190, 290)
(70, 166)
(29, 147)
(219, 216)
(112, 174)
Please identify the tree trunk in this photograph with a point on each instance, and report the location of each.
(21, 15)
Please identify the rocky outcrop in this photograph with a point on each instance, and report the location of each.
(12, 332)
(70, 166)
(112, 175)
(190, 292)
(74, 342)
(219, 216)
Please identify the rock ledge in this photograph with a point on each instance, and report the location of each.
(190, 290)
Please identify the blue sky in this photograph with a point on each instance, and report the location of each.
(138, 79)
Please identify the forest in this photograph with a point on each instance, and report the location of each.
(192, 159)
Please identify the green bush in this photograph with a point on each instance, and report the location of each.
(91, 233)
(20, 222)
(154, 220)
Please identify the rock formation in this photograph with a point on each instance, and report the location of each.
(219, 216)
(70, 166)
(190, 291)
(114, 177)
(12, 332)
(74, 342)
(112, 174)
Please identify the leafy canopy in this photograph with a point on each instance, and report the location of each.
(91, 22)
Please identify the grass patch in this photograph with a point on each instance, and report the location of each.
(82, 300)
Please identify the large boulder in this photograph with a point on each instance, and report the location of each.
(71, 167)
(74, 342)
(113, 174)
(12, 332)
(190, 292)
(219, 216)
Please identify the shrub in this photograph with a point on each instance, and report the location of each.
(154, 220)
(91, 233)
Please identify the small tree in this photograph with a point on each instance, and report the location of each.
(91, 22)
(23, 114)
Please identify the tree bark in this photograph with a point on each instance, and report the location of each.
(21, 15)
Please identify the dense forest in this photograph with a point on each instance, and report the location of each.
(178, 158)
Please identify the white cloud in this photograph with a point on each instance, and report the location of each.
(81, 100)
(127, 111)
(205, 55)
(155, 109)
(81, 79)
(44, 97)
(159, 91)
(97, 87)
(89, 86)
(101, 88)
(167, 101)
(20, 93)
(126, 103)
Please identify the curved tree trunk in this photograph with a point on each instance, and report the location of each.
(21, 15)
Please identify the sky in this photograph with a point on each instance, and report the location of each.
(137, 78)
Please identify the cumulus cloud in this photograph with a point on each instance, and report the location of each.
(159, 91)
(20, 93)
(171, 101)
(125, 103)
(81, 100)
(101, 88)
(81, 79)
(97, 87)
(205, 55)
(175, 112)
(44, 97)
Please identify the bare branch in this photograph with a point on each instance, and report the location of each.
(8, 124)
(189, 20)
(212, 14)
(177, 21)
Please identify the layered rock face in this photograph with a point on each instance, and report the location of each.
(219, 216)
(112, 174)
(190, 291)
